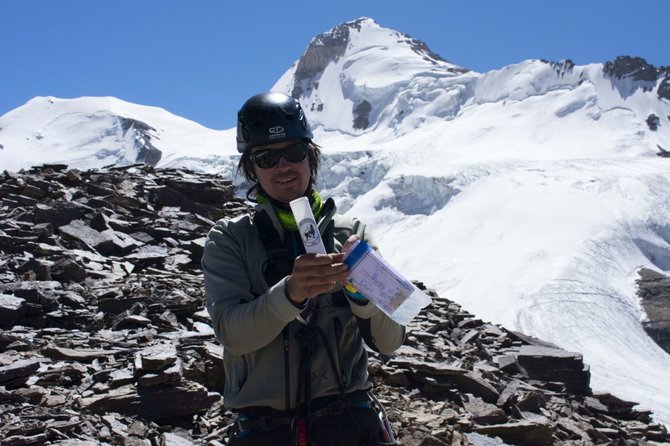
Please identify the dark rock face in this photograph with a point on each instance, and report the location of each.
(637, 69)
(105, 338)
(654, 292)
(663, 91)
(362, 115)
(421, 48)
(562, 67)
(653, 122)
(634, 67)
(321, 51)
(146, 152)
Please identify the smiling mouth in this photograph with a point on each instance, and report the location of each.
(285, 180)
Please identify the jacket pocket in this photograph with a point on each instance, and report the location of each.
(236, 370)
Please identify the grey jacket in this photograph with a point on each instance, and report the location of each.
(256, 323)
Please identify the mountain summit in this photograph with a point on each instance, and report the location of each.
(352, 73)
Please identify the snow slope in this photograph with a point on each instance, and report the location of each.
(93, 132)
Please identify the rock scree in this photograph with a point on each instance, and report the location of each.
(105, 339)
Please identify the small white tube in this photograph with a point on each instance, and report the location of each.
(307, 227)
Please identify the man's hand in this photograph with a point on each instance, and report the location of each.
(315, 274)
(349, 243)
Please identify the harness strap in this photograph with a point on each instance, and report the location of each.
(262, 423)
(281, 262)
(333, 409)
(247, 420)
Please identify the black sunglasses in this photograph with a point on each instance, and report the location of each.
(267, 158)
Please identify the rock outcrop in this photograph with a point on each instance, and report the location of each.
(634, 67)
(654, 292)
(561, 67)
(140, 132)
(324, 49)
(653, 122)
(105, 338)
(362, 114)
(637, 69)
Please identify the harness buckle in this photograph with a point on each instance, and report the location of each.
(306, 315)
(266, 423)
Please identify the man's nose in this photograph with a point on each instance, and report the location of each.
(283, 162)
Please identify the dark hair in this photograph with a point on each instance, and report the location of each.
(246, 166)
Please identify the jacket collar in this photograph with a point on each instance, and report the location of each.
(327, 213)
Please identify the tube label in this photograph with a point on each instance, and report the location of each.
(307, 227)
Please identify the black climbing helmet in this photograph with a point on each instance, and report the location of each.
(268, 118)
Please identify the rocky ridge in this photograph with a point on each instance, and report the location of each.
(638, 69)
(105, 339)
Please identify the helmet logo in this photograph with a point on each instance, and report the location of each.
(276, 132)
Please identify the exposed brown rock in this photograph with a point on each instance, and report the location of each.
(554, 364)
(105, 338)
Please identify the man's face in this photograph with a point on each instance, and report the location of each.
(286, 180)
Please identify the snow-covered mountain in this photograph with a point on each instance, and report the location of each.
(530, 194)
(93, 132)
(360, 77)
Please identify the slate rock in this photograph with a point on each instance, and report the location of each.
(79, 354)
(12, 309)
(60, 214)
(135, 361)
(519, 433)
(155, 358)
(22, 368)
(153, 404)
(553, 364)
(483, 412)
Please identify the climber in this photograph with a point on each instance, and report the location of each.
(295, 363)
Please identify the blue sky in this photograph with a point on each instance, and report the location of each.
(201, 59)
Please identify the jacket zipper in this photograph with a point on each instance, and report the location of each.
(287, 371)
